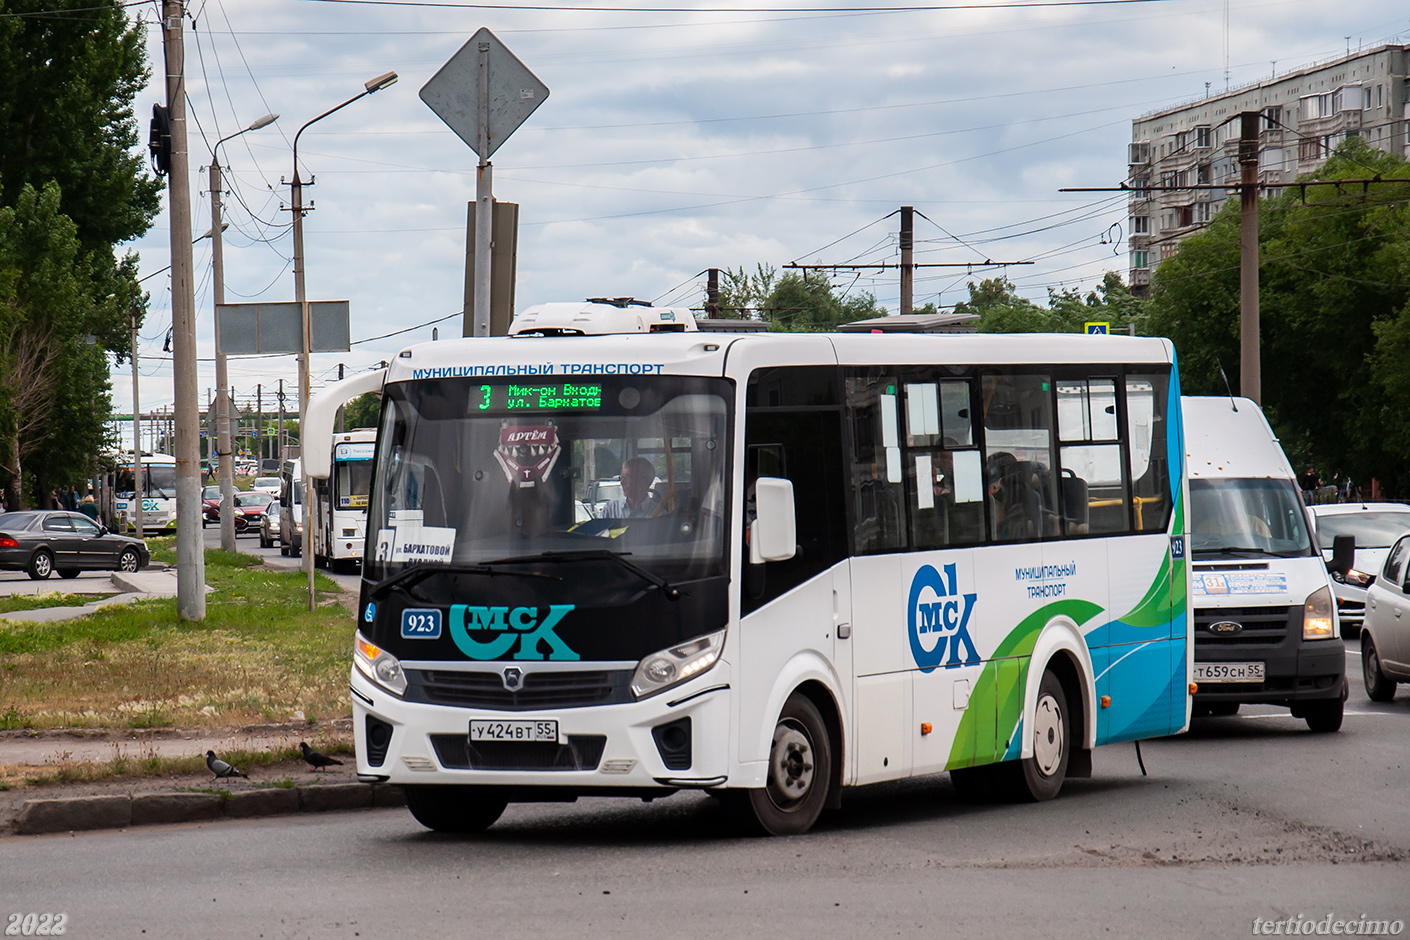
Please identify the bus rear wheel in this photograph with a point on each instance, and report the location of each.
(1040, 777)
(455, 809)
(800, 771)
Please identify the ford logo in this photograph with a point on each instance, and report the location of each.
(1226, 628)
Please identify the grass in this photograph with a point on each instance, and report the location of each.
(49, 599)
(259, 655)
(149, 764)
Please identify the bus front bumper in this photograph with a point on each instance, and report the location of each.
(673, 740)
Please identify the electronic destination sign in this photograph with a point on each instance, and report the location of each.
(538, 396)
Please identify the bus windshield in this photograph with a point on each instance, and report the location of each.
(473, 471)
(1254, 516)
(353, 479)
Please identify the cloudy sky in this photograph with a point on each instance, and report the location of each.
(676, 139)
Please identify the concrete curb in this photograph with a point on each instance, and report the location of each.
(151, 809)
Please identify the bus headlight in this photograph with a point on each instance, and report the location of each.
(1317, 615)
(378, 665)
(670, 667)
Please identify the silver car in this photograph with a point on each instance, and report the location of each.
(269, 525)
(1375, 526)
(1385, 637)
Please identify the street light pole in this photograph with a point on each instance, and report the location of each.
(301, 298)
(222, 391)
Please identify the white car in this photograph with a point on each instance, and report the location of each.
(266, 485)
(1375, 526)
(1385, 638)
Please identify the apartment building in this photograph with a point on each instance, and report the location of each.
(1306, 113)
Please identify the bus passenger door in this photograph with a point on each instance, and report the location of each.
(791, 609)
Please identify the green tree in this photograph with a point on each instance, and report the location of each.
(1334, 322)
(742, 294)
(54, 393)
(363, 411)
(801, 303)
(1002, 311)
(66, 114)
(75, 189)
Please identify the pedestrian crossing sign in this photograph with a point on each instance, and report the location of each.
(1098, 328)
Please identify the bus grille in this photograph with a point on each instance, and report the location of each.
(539, 690)
(1262, 626)
(456, 752)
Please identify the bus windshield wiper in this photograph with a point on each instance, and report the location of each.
(415, 573)
(592, 554)
(1240, 550)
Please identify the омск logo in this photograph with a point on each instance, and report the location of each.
(491, 632)
(939, 620)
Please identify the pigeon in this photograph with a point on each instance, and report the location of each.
(220, 768)
(317, 760)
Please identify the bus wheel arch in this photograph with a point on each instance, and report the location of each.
(1060, 647)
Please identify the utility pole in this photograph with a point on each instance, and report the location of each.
(907, 259)
(221, 439)
(138, 490)
(259, 425)
(1250, 372)
(190, 553)
(712, 293)
(281, 441)
(484, 199)
(340, 378)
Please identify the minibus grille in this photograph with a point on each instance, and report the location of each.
(565, 689)
(1262, 626)
(456, 752)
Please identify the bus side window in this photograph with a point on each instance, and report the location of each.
(877, 471)
(1147, 409)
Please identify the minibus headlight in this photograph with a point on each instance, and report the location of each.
(1317, 619)
(378, 665)
(670, 667)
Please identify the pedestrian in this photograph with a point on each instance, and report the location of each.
(89, 508)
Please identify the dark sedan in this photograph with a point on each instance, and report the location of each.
(67, 542)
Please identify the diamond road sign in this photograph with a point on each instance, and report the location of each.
(454, 92)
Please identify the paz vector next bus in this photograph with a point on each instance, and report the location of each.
(614, 554)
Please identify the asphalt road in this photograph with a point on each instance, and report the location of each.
(1244, 817)
(249, 544)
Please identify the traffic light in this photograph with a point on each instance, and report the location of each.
(159, 140)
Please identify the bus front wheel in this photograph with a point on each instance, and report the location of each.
(800, 771)
(1040, 777)
(455, 809)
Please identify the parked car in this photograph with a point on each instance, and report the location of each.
(266, 485)
(210, 505)
(269, 525)
(1385, 636)
(1376, 526)
(249, 507)
(67, 542)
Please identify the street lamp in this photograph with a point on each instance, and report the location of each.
(297, 187)
(222, 396)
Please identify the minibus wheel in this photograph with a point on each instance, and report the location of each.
(1040, 777)
(800, 771)
(455, 809)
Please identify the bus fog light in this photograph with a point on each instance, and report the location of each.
(670, 667)
(378, 665)
(1317, 615)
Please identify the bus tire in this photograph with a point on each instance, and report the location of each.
(800, 771)
(1038, 778)
(455, 809)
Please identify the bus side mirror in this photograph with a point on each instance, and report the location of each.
(1343, 554)
(773, 535)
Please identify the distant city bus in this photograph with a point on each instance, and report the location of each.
(827, 560)
(341, 500)
(158, 493)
